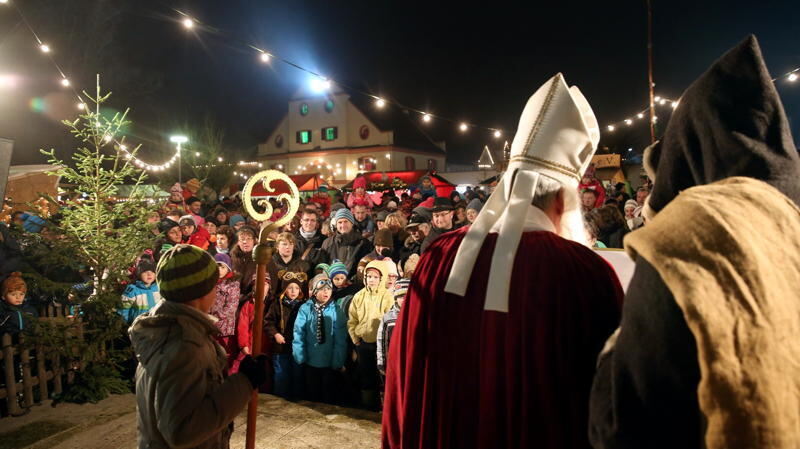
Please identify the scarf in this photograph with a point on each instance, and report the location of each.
(222, 251)
(318, 308)
(307, 235)
(290, 303)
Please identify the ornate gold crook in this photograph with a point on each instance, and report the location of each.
(292, 199)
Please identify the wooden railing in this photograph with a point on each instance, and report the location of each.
(18, 363)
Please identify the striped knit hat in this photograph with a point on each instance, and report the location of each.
(344, 213)
(186, 272)
(337, 267)
(401, 288)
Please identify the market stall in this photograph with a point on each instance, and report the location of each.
(401, 180)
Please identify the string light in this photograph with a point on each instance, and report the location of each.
(463, 127)
(628, 122)
(497, 134)
(81, 106)
(611, 128)
(64, 82)
(325, 83)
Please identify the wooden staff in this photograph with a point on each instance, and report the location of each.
(262, 253)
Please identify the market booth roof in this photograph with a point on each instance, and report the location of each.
(304, 183)
(398, 180)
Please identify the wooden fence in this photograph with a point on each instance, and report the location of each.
(21, 363)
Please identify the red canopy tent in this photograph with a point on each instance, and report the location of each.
(304, 183)
(400, 180)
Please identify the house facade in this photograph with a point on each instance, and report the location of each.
(338, 138)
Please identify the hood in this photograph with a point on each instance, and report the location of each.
(169, 320)
(729, 122)
(382, 268)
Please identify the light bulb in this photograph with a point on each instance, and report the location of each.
(611, 127)
(426, 117)
(188, 23)
(792, 77)
(380, 102)
(628, 121)
(64, 82)
(640, 115)
(463, 127)
(497, 133)
(44, 48)
(265, 57)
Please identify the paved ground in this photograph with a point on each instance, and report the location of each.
(112, 424)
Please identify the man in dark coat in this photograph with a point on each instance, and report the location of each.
(443, 212)
(650, 391)
(309, 240)
(347, 245)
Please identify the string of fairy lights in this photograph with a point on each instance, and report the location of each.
(319, 83)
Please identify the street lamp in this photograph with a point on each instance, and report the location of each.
(179, 140)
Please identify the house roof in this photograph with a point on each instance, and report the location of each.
(408, 131)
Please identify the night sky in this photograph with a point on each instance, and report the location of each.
(473, 63)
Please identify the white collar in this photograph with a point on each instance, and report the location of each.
(535, 220)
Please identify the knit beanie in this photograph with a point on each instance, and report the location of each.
(346, 214)
(224, 259)
(475, 205)
(401, 288)
(14, 282)
(319, 281)
(631, 203)
(360, 182)
(235, 218)
(321, 268)
(186, 272)
(145, 264)
(166, 224)
(337, 267)
(384, 238)
(187, 220)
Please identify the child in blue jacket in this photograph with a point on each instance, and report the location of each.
(320, 341)
(141, 296)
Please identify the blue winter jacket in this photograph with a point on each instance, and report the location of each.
(331, 353)
(138, 299)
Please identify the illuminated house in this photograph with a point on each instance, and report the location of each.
(339, 136)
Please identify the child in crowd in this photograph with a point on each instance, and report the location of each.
(226, 238)
(141, 296)
(320, 341)
(391, 273)
(244, 333)
(279, 325)
(15, 313)
(386, 328)
(236, 221)
(226, 304)
(366, 310)
(192, 234)
(343, 290)
(359, 197)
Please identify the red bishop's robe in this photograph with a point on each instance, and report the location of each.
(459, 376)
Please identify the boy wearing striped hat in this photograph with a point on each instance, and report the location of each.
(320, 341)
(183, 398)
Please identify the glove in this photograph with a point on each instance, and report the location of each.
(255, 369)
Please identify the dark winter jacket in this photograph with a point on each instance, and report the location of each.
(245, 266)
(645, 389)
(14, 319)
(434, 234)
(349, 248)
(613, 239)
(296, 264)
(280, 320)
(410, 246)
(316, 255)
